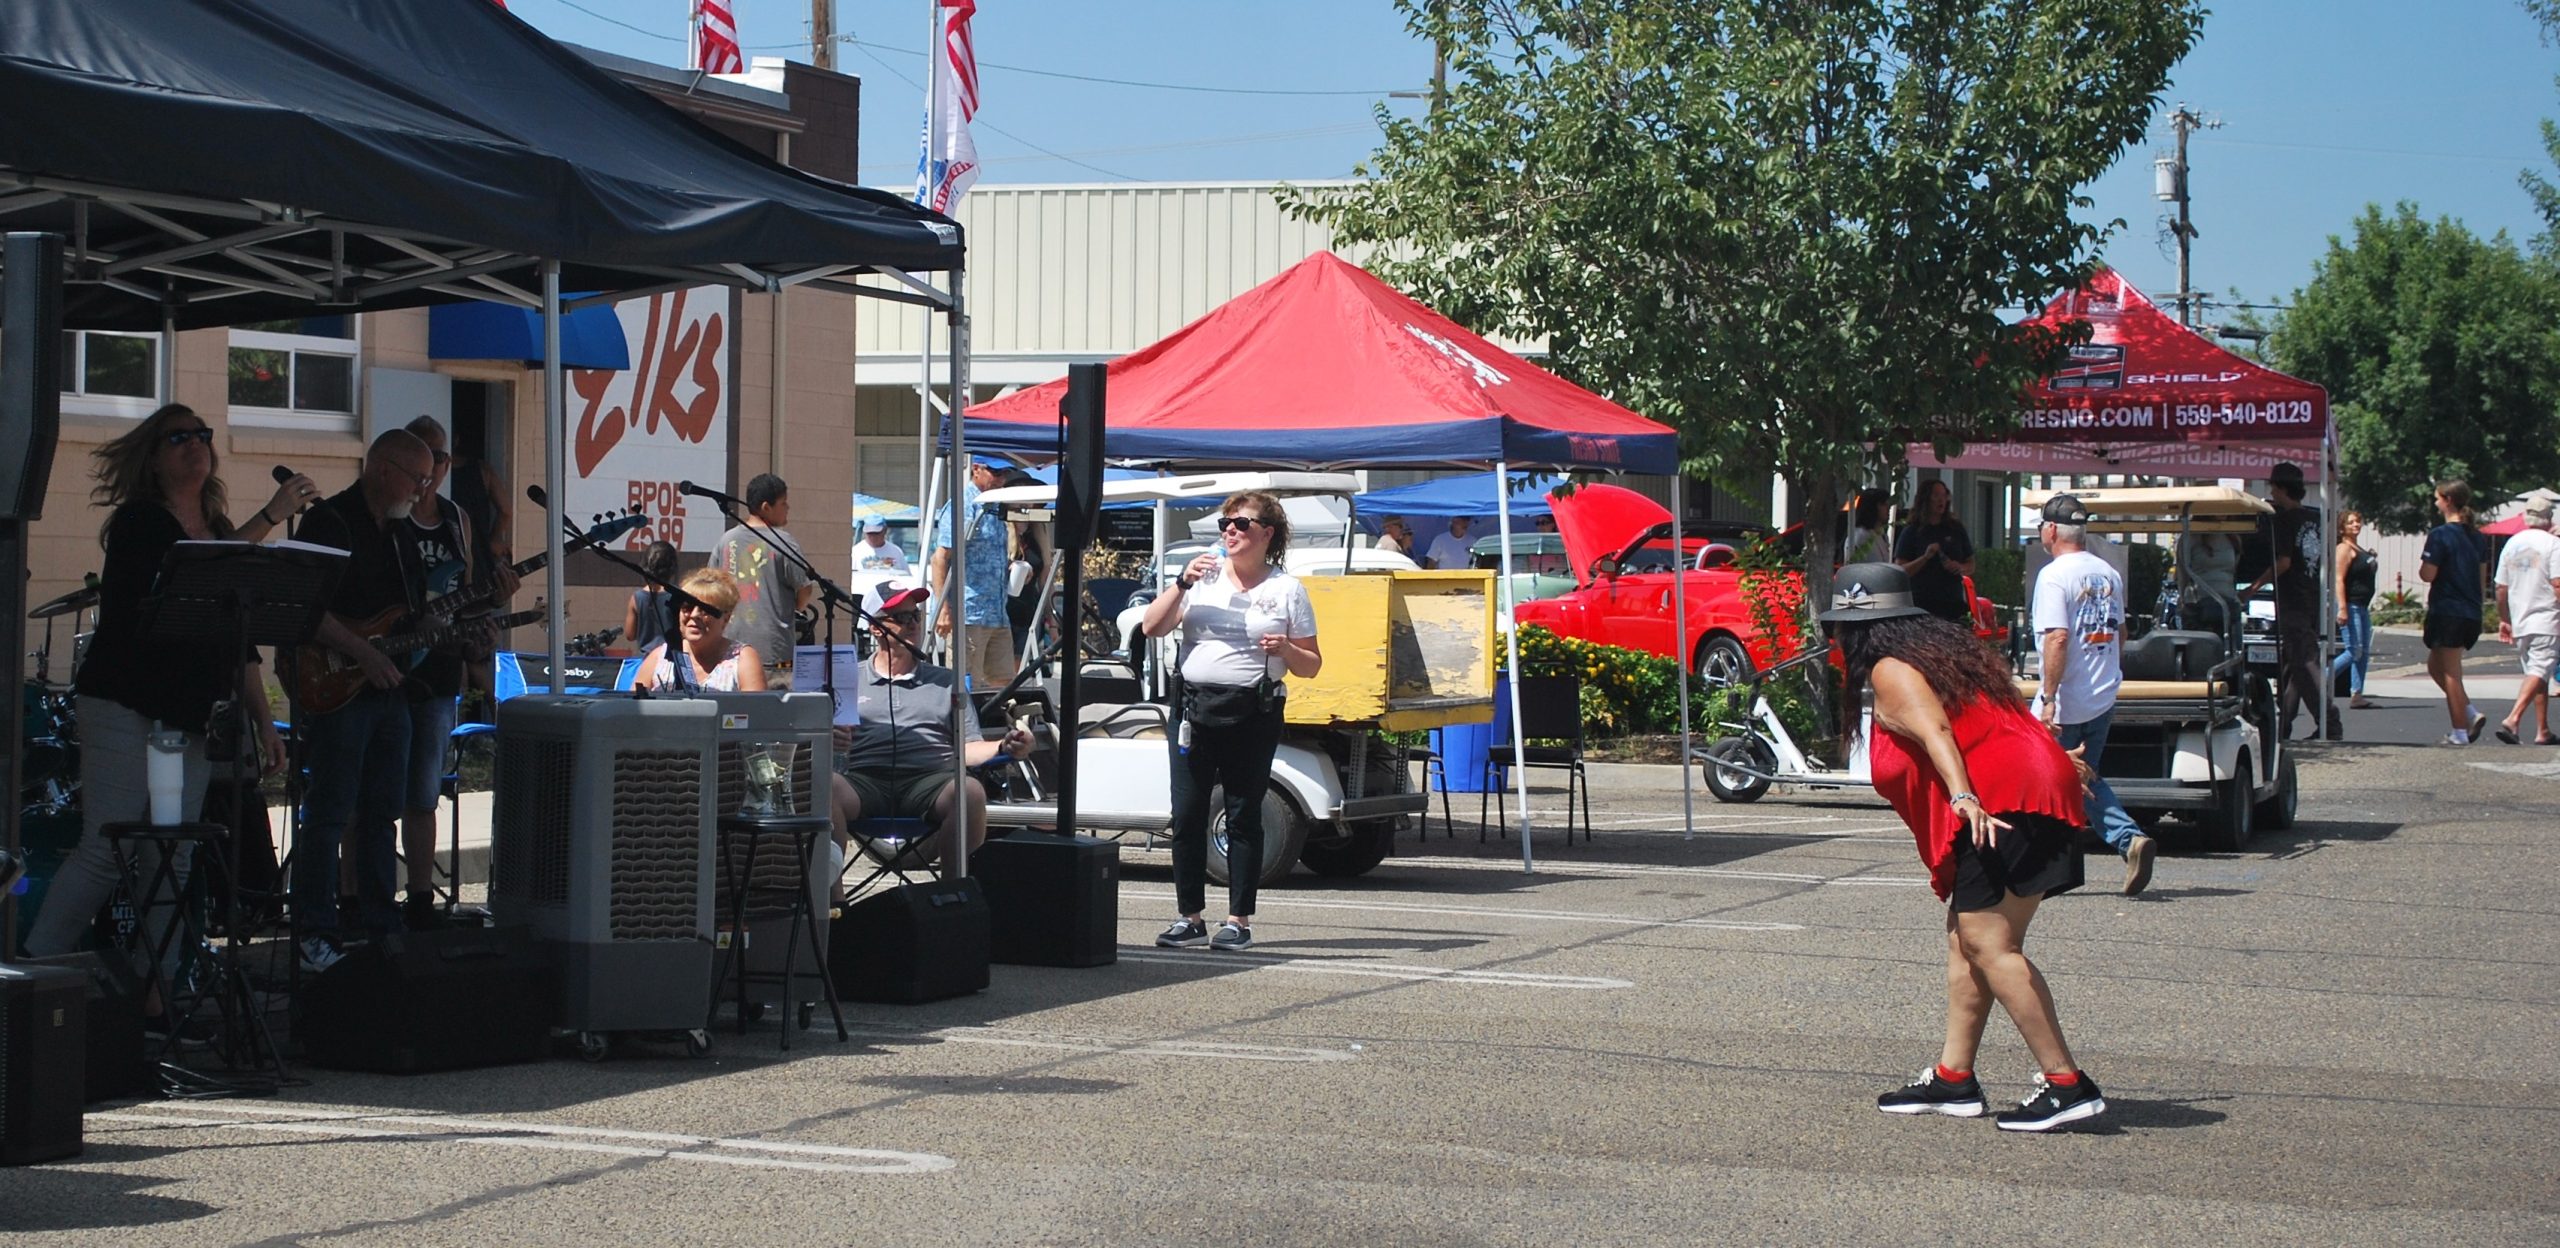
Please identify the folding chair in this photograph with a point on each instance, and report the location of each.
(1551, 712)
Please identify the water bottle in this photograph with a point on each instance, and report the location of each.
(165, 757)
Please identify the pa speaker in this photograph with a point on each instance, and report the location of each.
(44, 1015)
(447, 999)
(30, 370)
(118, 1064)
(1080, 475)
(912, 943)
(1054, 900)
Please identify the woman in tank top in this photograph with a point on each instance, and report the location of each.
(708, 659)
(2355, 574)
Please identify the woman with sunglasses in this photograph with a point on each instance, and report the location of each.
(1995, 805)
(708, 660)
(1246, 627)
(162, 483)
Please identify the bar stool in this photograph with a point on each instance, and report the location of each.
(245, 1040)
(742, 836)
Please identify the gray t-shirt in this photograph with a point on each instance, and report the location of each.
(768, 590)
(906, 720)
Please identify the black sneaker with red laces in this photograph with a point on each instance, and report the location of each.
(1930, 1094)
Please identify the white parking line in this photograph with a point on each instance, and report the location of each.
(825, 1158)
(1104, 1044)
(1260, 962)
(1271, 901)
(1609, 870)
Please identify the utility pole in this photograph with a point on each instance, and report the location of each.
(822, 33)
(2169, 183)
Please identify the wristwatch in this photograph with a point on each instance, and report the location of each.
(1186, 581)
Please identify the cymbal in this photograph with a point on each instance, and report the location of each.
(80, 599)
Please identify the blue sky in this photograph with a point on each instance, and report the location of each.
(2325, 105)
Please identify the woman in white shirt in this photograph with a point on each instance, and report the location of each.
(709, 660)
(1246, 627)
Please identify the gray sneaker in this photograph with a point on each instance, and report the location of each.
(1231, 937)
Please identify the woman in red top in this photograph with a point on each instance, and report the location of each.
(1995, 805)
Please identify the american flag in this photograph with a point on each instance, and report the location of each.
(715, 39)
(949, 161)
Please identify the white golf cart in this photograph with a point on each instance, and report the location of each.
(1404, 650)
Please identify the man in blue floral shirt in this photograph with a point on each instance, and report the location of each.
(986, 648)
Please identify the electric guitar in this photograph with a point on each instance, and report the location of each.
(325, 680)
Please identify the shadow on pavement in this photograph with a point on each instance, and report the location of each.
(74, 1196)
(2131, 1113)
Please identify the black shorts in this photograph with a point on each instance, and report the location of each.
(2038, 856)
(2443, 631)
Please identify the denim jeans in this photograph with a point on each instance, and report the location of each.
(2357, 633)
(359, 758)
(1238, 757)
(2105, 813)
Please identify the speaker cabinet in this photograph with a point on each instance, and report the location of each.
(448, 999)
(43, 1019)
(1054, 900)
(30, 370)
(1080, 475)
(911, 944)
(117, 1060)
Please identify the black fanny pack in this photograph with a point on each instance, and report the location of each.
(1225, 706)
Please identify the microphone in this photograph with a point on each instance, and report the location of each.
(540, 498)
(704, 491)
(281, 473)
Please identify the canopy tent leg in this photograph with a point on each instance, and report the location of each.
(1679, 639)
(959, 604)
(775, 377)
(2329, 606)
(555, 415)
(1511, 642)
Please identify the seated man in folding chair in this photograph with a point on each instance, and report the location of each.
(897, 763)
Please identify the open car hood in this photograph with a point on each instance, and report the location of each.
(1598, 521)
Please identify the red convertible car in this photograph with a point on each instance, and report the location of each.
(1619, 543)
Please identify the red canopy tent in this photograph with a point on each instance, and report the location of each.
(2147, 395)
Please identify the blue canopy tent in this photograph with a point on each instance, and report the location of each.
(1471, 495)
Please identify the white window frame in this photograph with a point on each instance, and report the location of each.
(79, 402)
(351, 349)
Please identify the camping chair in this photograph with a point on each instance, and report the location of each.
(1550, 711)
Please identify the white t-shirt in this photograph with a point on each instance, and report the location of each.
(2525, 569)
(2081, 595)
(1452, 553)
(1220, 627)
(885, 557)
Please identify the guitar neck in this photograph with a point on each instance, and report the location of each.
(424, 638)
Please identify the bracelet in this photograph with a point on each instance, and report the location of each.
(1187, 582)
(1964, 797)
(271, 520)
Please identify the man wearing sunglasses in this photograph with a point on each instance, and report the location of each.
(897, 763)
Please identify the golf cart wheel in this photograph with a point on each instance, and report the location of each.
(2277, 811)
(2228, 824)
(1723, 661)
(1735, 786)
(1348, 851)
(1284, 836)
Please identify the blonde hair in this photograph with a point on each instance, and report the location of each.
(714, 587)
(128, 471)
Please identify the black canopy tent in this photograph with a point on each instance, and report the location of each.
(215, 162)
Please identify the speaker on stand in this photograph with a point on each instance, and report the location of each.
(30, 421)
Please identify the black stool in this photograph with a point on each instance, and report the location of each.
(245, 1040)
(805, 832)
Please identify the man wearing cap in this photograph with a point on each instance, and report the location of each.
(986, 645)
(897, 762)
(2079, 621)
(1396, 536)
(2294, 547)
(877, 553)
(2529, 619)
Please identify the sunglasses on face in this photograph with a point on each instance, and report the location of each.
(180, 437)
(701, 609)
(903, 619)
(1230, 524)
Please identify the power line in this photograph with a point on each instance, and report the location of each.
(981, 121)
(1127, 82)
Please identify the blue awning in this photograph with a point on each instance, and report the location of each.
(589, 337)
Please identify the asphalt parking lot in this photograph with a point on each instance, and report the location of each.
(2344, 1035)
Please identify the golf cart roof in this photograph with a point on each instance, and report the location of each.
(1197, 487)
(2166, 509)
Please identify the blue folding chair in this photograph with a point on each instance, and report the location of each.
(508, 681)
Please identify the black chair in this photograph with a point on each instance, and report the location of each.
(1550, 711)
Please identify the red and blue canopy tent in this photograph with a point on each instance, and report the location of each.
(1326, 367)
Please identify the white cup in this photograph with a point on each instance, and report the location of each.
(165, 758)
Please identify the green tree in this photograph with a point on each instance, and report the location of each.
(1786, 227)
(2441, 353)
(2546, 196)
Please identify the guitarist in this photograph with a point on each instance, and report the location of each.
(359, 753)
(440, 535)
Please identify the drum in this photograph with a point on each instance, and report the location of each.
(51, 738)
(46, 836)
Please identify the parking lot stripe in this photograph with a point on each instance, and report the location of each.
(826, 1158)
(1609, 870)
(1270, 901)
(1258, 962)
(1104, 1044)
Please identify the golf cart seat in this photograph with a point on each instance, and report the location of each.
(2168, 654)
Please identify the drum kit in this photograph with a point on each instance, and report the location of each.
(49, 767)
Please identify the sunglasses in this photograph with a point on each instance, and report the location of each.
(703, 609)
(903, 619)
(1229, 524)
(180, 437)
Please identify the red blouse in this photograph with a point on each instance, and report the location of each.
(2013, 761)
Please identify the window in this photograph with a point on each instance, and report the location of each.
(296, 368)
(110, 373)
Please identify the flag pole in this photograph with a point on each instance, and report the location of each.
(934, 54)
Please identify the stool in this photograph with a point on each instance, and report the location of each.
(805, 831)
(889, 841)
(244, 1033)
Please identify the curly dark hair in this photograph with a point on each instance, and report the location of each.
(1959, 668)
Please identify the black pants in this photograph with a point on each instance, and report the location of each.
(2299, 669)
(1238, 758)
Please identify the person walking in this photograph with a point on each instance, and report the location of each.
(1937, 553)
(1995, 806)
(2529, 618)
(2455, 565)
(2293, 538)
(1246, 627)
(2355, 573)
(2078, 617)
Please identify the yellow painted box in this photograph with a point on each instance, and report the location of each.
(1403, 651)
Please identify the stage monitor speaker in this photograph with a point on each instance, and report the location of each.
(1055, 900)
(30, 370)
(117, 1059)
(1080, 475)
(447, 999)
(911, 944)
(43, 1017)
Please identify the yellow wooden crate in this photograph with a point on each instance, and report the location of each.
(1403, 651)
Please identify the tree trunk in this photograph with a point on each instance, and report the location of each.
(1821, 494)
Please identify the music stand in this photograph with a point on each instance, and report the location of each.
(243, 595)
